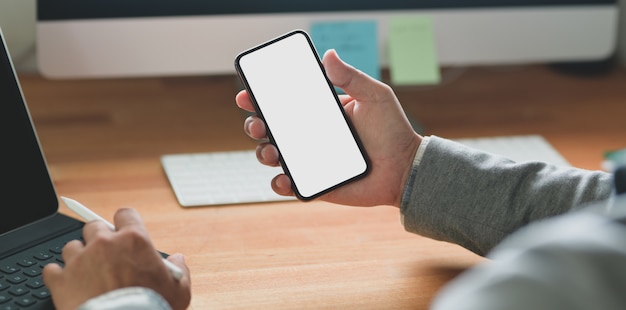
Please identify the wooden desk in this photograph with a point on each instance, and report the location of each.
(103, 140)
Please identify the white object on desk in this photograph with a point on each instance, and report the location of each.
(518, 148)
(220, 178)
(236, 177)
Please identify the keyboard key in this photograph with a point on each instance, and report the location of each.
(4, 298)
(42, 294)
(42, 256)
(25, 301)
(4, 285)
(8, 269)
(18, 291)
(32, 272)
(16, 279)
(35, 284)
(26, 262)
(57, 249)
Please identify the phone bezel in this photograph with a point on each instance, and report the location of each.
(258, 110)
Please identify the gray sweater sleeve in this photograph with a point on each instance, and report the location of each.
(461, 195)
(573, 261)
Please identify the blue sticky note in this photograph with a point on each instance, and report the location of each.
(356, 42)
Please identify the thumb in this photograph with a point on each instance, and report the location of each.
(354, 82)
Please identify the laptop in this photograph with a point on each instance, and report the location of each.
(32, 231)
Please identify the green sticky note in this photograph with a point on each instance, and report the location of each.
(412, 52)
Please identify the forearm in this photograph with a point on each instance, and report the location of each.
(474, 199)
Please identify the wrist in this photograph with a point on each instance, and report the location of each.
(412, 160)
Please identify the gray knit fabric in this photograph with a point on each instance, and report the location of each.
(475, 199)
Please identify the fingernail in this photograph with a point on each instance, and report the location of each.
(246, 125)
(259, 152)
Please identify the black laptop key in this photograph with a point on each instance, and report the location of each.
(26, 262)
(35, 284)
(9, 269)
(18, 290)
(42, 294)
(57, 249)
(25, 301)
(43, 256)
(16, 279)
(32, 272)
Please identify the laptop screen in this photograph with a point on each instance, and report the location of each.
(27, 191)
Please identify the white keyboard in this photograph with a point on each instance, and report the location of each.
(519, 148)
(237, 177)
(220, 178)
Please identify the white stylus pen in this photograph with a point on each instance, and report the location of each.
(89, 215)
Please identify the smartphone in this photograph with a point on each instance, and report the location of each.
(319, 148)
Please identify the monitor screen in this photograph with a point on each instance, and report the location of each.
(119, 38)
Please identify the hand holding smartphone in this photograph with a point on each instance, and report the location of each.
(319, 148)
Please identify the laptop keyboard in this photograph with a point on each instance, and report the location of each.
(21, 283)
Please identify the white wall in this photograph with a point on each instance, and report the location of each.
(17, 20)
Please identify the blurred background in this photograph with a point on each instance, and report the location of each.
(17, 19)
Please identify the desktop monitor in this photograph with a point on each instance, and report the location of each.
(121, 38)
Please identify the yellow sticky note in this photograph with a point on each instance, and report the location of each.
(412, 51)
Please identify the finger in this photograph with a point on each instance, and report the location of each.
(281, 184)
(179, 260)
(95, 228)
(267, 154)
(51, 274)
(345, 99)
(355, 83)
(127, 218)
(243, 101)
(255, 128)
(180, 297)
(72, 249)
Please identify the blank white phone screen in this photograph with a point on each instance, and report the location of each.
(302, 114)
